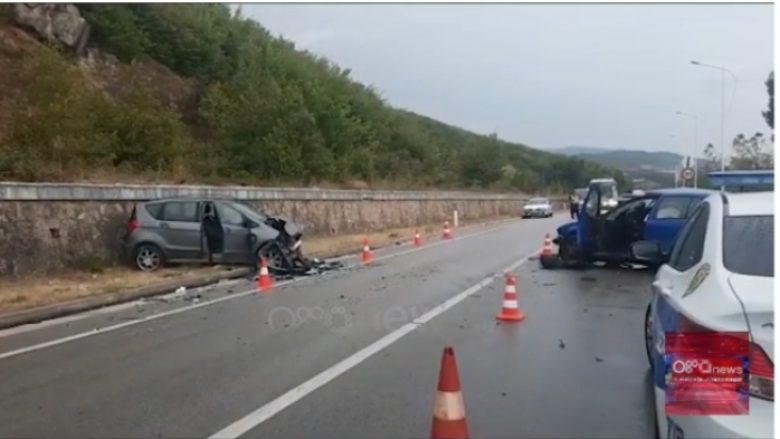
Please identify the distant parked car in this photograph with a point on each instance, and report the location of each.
(171, 231)
(538, 207)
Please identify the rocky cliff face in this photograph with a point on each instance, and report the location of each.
(56, 23)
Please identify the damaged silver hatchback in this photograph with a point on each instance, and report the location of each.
(200, 230)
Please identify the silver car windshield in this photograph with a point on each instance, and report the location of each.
(538, 201)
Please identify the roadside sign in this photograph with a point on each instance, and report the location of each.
(687, 173)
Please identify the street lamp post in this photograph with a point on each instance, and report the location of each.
(723, 71)
(695, 145)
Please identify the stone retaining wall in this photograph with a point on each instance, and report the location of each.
(46, 226)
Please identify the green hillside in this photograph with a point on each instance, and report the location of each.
(256, 111)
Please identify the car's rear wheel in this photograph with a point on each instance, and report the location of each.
(148, 257)
(649, 343)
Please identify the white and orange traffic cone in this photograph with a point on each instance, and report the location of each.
(547, 248)
(264, 281)
(417, 239)
(446, 232)
(449, 412)
(510, 311)
(367, 257)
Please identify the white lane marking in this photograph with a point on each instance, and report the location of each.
(103, 330)
(96, 331)
(109, 309)
(292, 396)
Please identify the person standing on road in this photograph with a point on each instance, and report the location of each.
(213, 231)
(573, 205)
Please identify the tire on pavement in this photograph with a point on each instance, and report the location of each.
(649, 335)
(148, 257)
(549, 262)
(569, 255)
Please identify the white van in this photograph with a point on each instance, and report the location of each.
(609, 192)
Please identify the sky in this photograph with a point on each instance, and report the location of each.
(552, 75)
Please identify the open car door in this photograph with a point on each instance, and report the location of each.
(588, 221)
(622, 226)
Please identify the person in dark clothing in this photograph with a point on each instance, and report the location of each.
(573, 207)
(212, 228)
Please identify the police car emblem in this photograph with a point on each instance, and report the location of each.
(698, 278)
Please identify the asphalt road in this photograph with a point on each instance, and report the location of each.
(348, 354)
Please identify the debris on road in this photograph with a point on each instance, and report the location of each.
(561, 344)
(194, 298)
(599, 360)
(588, 278)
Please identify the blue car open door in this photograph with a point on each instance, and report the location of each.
(588, 220)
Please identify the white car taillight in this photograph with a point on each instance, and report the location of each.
(761, 380)
(762, 374)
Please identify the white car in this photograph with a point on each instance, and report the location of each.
(538, 207)
(719, 278)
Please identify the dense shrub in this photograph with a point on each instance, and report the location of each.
(272, 114)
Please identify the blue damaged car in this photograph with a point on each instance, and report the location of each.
(606, 236)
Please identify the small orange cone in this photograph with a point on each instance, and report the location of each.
(367, 256)
(547, 248)
(264, 281)
(446, 233)
(417, 239)
(510, 311)
(449, 412)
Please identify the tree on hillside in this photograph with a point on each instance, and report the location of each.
(264, 113)
(752, 153)
(769, 114)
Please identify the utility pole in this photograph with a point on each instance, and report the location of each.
(723, 71)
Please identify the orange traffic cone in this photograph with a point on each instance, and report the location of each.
(264, 281)
(367, 256)
(417, 239)
(449, 412)
(446, 233)
(547, 248)
(510, 311)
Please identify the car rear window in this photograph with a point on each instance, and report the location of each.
(183, 211)
(155, 210)
(748, 245)
(673, 208)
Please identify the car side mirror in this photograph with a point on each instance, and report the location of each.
(646, 251)
(249, 224)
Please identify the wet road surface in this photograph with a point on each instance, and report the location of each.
(226, 359)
